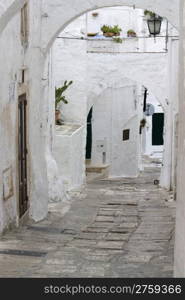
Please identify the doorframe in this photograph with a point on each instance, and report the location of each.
(90, 114)
(22, 89)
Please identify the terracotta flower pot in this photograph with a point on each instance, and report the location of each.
(95, 14)
(111, 34)
(131, 34)
(57, 115)
(91, 34)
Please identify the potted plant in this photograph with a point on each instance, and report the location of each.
(110, 31)
(95, 14)
(143, 122)
(131, 33)
(150, 15)
(59, 97)
(92, 34)
(142, 125)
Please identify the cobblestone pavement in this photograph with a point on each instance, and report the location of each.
(114, 228)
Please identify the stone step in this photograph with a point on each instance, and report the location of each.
(97, 169)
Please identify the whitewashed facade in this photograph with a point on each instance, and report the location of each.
(46, 20)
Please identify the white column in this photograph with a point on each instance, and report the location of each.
(166, 172)
(180, 216)
(165, 179)
(37, 119)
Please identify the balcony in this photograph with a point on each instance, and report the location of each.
(100, 44)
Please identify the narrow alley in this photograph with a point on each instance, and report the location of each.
(114, 228)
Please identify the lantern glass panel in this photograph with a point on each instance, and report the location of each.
(154, 26)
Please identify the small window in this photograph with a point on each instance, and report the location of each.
(24, 25)
(126, 134)
(23, 76)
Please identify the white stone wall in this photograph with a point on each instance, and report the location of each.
(115, 110)
(41, 125)
(126, 17)
(9, 83)
(180, 215)
(70, 63)
(94, 73)
(69, 155)
(55, 16)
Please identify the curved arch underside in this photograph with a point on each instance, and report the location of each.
(58, 14)
(151, 68)
(8, 9)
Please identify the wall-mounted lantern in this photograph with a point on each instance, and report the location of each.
(154, 25)
(154, 22)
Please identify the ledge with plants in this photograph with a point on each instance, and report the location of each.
(110, 31)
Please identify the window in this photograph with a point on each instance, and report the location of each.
(126, 134)
(24, 25)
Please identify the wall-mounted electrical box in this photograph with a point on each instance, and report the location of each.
(101, 145)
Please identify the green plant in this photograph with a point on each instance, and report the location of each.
(113, 29)
(105, 28)
(59, 97)
(149, 13)
(116, 29)
(118, 40)
(131, 31)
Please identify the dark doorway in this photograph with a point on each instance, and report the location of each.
(89, 135)
(22, 136)
(157, 129)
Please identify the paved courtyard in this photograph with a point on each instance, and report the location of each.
(114, 228)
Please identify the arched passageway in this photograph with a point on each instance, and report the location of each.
(53, 20)
(53, 23)
(99, 72)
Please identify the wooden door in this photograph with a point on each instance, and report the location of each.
(23, 191)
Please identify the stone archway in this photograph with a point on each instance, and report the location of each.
(51, 17)
(56, 15)
(150, 69)
(8, 10)
(59, 14)
(96, 92)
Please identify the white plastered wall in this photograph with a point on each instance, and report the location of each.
(51, 18)
(10, 46)
(115, 110)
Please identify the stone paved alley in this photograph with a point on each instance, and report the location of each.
(114, 228)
